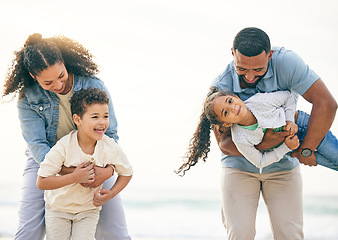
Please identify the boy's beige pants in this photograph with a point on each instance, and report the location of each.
(62, 225)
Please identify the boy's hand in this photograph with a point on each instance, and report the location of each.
(101, 175)
(291, 127)
(292, 142)
(101, 197)
(84, 173)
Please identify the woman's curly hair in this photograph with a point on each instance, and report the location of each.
(199, 146)
(39, 53)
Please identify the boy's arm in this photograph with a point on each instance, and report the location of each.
(81, 174)
(103, 195)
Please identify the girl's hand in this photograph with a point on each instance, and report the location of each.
(101, 197)
(291, 127)
(271, 139)
(292, 142)
(84, 174)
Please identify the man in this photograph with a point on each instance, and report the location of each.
(258, 68)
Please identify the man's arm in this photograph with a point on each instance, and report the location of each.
(323, 112)
(225, 142)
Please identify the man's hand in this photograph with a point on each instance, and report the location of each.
(271, 139)
(101, 175)
(310, 161)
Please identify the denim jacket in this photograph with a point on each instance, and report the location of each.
(38, 112)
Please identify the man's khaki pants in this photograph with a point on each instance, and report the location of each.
(282, 193)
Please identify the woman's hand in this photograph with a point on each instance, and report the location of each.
(101, 175)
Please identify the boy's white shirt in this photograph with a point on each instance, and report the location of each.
(74, 198)
(271, 110)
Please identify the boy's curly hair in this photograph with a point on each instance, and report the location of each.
(86, 97)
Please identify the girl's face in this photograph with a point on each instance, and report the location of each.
(229, 109)
(55, 79)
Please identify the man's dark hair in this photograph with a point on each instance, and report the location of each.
(251, 42)
(86, 97)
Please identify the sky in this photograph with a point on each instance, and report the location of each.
(158, 59)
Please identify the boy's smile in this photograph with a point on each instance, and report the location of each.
(94, 122)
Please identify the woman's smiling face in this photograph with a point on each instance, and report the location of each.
(54, 79)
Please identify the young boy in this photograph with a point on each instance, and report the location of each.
(71, 209)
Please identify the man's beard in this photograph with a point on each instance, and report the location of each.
(250, 85)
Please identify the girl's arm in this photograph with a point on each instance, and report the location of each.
(103, 195)
(245, 144)
(81, 174)
(262, 159)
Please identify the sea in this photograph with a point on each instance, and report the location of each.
(159, 204)
(161, 213)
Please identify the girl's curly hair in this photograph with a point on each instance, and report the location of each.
(39, 53)
(199, 146)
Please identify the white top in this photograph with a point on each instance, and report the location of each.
(271, 110)
(74, 198)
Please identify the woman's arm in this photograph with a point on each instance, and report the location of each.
(33, 129)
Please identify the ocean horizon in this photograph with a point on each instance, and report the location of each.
(163, 213)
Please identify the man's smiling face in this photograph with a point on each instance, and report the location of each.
(251, 69)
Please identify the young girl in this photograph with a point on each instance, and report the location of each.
(71, 209)
(45, 73)
(248, 121)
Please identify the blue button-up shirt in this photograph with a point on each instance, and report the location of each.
(39, 115)
(286, 71)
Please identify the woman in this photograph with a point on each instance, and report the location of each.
(46, 72)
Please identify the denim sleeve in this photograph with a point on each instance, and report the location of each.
(112, 129)
(33, 130)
